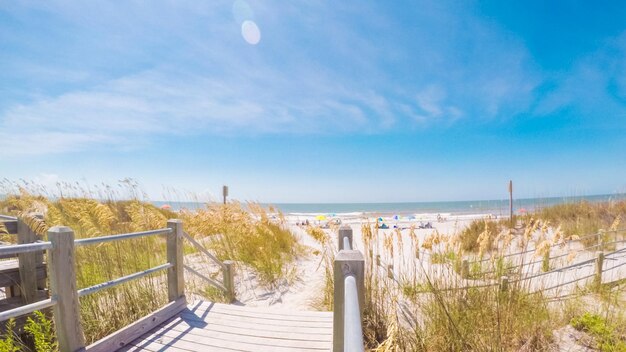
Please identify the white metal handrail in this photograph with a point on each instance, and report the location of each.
(348, 295)
(27, 309)
(42, 246)
(123, 236)
(352, 325)
(24, 248)
(115, 282)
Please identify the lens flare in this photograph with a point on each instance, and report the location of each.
(250, 32)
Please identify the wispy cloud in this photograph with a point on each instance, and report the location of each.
(595, 87)
(183, 68)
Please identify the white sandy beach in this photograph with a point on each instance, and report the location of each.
(305, 290)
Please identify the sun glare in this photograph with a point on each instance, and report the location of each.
(250, 32)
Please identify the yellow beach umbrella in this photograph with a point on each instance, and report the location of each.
(320, 217)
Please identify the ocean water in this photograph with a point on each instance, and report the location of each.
(495, 207)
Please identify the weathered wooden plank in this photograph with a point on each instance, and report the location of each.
(10, 273)
(206, 327)
(133, 331)
(283, 339)
(265, 310)
(245, 324)
(154, 346)
(257, 320)
(253, 313)
(28, 262)
(293, 334)
(271, 317)
(213, 338)
(208, 343)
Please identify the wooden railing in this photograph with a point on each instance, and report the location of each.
(349, 295)
(22, 275)
(504, 282)
(65, 295)
(228, 279)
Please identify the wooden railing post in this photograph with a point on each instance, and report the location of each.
(545, 263)
(28, 262)
(504, 283)
(175, 278)
(229, 280)
(600, 246)
(61, 263)
(344, 231)
(597, 280)
(347, 262)
(464, 269)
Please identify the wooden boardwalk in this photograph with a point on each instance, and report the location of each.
(177, 326)
(207, 326)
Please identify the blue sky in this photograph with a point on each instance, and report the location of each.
(327, 102)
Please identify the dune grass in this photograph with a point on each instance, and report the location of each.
(583, 218)
(248, 236)
(419, 310)
(479, 233)
(428, 306)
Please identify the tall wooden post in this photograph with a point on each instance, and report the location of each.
(61, 263)
(347, 262)
(225, 192)
(28, 262)
(600, 244)
(504, 283)
(229, 280)
(175, 278)
(511, 203)
(465, 269)
(545, 264)
(598, 277)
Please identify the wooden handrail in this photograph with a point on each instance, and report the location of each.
(203, 250)
(228, 277)
(208, 280)
(65, 295)
(348, 294)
